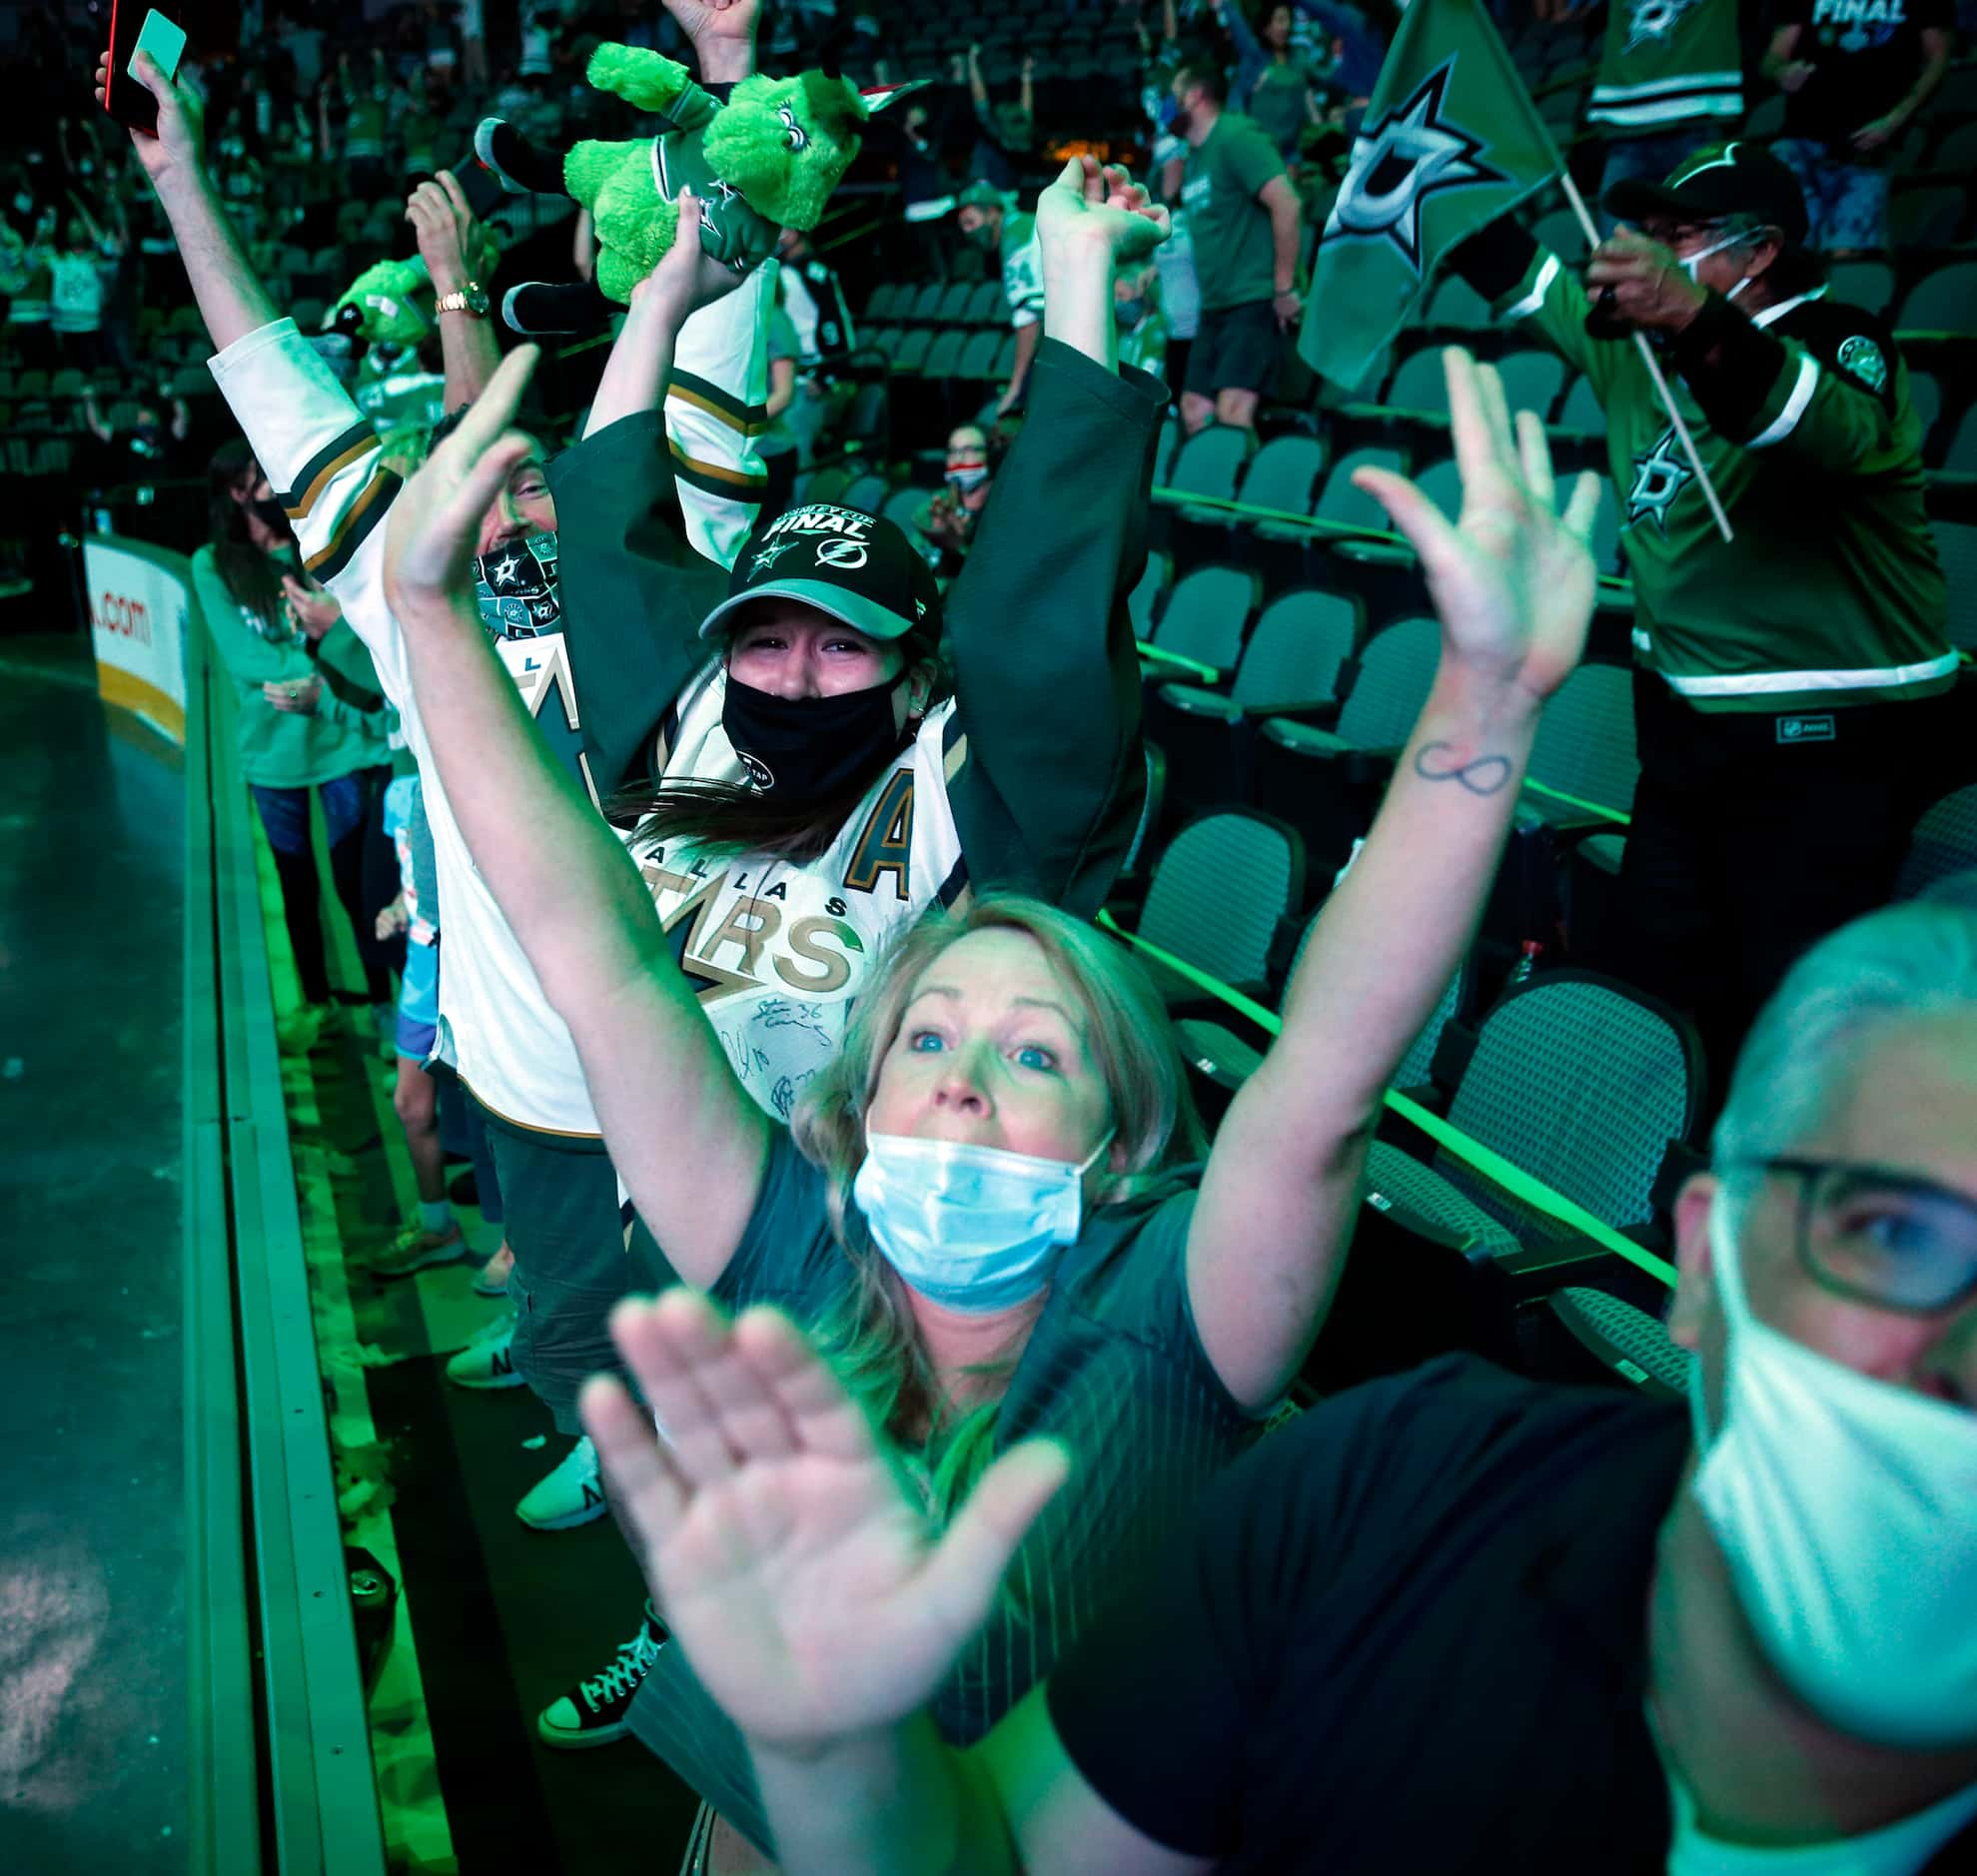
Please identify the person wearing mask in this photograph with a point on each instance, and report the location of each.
(294, 730)
(946, 522)
(145, 445)
(980, 1207)
(813, 298)
(990, 221)
(507, 1048)
(1855, 74)
(1244, 222)
(1794, 703)
(78, 284)
(1451, 1620)
(927, 188)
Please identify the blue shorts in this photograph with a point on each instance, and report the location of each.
(1846, 203)
(285, 811)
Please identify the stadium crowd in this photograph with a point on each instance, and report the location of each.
(1301, 1195)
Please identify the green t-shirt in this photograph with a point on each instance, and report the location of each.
(1277, 103)
(278, 748)
(1114, 1367)
(1234, 254)
(779, 439)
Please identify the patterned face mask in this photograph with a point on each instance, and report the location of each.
(515, 585)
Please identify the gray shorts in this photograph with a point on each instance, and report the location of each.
(564, 1225)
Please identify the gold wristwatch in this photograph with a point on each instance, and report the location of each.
(471, 300)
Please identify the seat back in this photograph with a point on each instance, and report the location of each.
(1944, 842)
(903, 503)
(1869, 284)
(1533, 379)
(1297, 648)
(1205, 613)
(978, 356)
(867, 494)
(1441, 484)
(1340, 501)
(1220, 891)
(1421, 384)
(943, 357)
(1283, 474)
(1581, 1083)
(1210, 461)
(1140, 601)
(1925, 218)
(1413, 1070)
(1582, 413)
(1457, 304)
(1396, 672)
(1585, 743)
(1960, 459)
(1956, 544)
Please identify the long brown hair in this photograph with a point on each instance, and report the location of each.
(870, 1339)
(251, 575)
(733, 817)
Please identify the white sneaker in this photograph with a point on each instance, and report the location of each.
(571, 1495)
(593, 1712)
(487, 1361)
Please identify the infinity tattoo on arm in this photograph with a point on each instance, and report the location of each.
(1480, 775)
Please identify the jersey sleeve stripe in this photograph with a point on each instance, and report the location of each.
(354, 530)
(715, 479)
(335, 455)
(1667, 87)
(1535, 299)
(751, 419)
(1787, 420)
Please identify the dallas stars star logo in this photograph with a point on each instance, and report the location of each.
(768, 557)
(1410, 154)
(1652, 20)
(1660, 476)
(505, 573)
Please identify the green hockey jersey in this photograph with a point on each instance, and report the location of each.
(1666, 63)
(1831, 593)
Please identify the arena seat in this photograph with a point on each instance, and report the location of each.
(989, 306)
(1340, 501)
(1326, 782)
(1942, 301)
(1585, 748)
(1420, 385)
(1219, 894)
(867, 494)
(1209, 463)
(1869, 284)
(1533, 379)
(885, 297)
(1143, 603)
(1960, 457)
(1284, 473)
(977, 362)
(1288, 667)
(1582, 413)
(903, 503)
(943, 357)
(1927, 217)
(1205, 615)
(1626, 1342)
(1944, 842)
(1456, 305)
(1956, 542)
(952, 307)
(1925, 392)
(911, 352)
(1578, 1081)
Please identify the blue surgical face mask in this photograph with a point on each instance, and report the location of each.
(971, 1228)
(1128, 313)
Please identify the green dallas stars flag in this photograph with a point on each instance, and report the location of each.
(1451, 139)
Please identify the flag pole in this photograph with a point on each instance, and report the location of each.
(1654, 365)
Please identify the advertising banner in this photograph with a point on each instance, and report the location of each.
(139, 606)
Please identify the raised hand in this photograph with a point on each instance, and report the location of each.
(435, 523)
(1514, 579)
(805, 1585)
(1100, 203)
(179, 149)
(722, 33)
(450, 240)
(313, 609)
(687, 275)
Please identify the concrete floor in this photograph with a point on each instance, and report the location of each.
(92, 1609)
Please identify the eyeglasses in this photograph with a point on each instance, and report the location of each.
(1883, 1236)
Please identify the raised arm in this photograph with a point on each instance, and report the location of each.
(1514, 585)
(453, 244)
(232, 301)
(683, 1134)
(1045, 673)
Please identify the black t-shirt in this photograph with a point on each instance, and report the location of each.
(1866, 56)
(1407, 1633)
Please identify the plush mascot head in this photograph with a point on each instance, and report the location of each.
(786, 143)
(391, 301)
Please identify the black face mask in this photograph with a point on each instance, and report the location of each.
(271, 514)
(802, 749)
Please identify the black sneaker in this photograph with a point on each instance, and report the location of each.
(537, 310)
(513, 161)
(592, 1713)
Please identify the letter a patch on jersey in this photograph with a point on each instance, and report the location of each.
(1414, 152)
(1660, 473)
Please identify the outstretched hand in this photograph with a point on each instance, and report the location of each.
(687, 275)
(807, 1590)
(1514, 579)
(435, 521)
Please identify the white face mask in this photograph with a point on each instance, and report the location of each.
(1847, 1509)
(971, 1228)
(1688, 261)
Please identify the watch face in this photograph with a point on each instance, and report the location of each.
(476, 301)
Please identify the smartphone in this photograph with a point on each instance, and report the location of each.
(125, 98)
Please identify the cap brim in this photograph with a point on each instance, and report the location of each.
(851, 608)
(1638, 200)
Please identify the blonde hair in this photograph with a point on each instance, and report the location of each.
(870, 1337)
